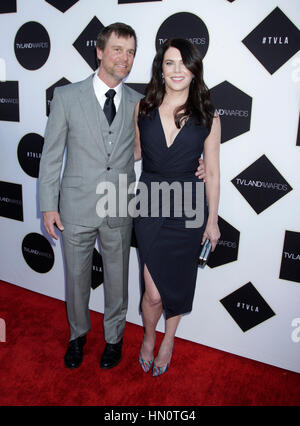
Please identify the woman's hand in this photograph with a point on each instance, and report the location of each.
(200, 172)
(212, 232)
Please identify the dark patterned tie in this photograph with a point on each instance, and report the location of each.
(109, 106)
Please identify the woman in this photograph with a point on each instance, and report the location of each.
(175, 123)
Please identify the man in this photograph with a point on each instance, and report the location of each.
(93, 119)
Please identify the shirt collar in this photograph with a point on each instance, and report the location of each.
(102, 88)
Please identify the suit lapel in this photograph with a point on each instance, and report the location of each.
(128, 104)
(88, 103)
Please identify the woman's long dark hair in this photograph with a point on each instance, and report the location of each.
(198, 101)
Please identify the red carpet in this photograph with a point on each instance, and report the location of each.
(33, 373)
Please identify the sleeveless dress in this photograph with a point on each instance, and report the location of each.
(165, 244)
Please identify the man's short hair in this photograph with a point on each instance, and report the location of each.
(120, 29)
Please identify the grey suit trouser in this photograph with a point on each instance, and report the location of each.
(79, 242)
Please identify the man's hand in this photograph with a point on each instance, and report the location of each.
(49, 220)
(201, 170)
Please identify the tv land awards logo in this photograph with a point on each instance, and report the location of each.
(8, 6)
(11, 200)
(9, 101)
(38, 252)
(274, 41)
(234, 108)
(247, 307)
(49, 92)
(85, 44)
(261, 184)
(184, 25)
(29, 153)
(227, 248)
(97, 270)
(62, 5)
(290, 260)
(32, 45)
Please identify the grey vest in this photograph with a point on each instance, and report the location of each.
(109, 133)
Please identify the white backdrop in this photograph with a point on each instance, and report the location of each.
(273, 132)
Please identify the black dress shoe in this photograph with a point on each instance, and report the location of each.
(112, 355)
(74, 355)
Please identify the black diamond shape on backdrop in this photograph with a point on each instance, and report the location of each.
(62, 5)
(138, 87)
(9, 101)
(274, 41)
(86, 42)
(290, 260)
(261, 184)
(49, 92)
(228, 246)
(234, 109)
(247, 307)
(97, 270)
(8, 6)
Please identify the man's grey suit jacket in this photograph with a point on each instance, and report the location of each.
(74, 124)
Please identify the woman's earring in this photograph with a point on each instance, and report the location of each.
(163, 78)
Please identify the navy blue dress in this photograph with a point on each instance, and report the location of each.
(168, 248)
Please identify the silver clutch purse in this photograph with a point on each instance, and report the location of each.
(205, 252)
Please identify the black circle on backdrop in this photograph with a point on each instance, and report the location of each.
(29, 153)
(32, 45)
(37, 252)
(184, 25)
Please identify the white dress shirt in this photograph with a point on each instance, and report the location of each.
(101, 88)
